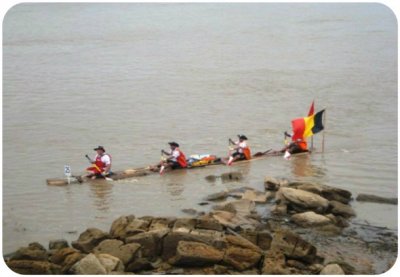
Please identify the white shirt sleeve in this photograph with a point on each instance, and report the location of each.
(175, 154)
(106, 159)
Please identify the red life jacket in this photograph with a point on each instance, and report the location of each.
(99, 162)
(181, 159)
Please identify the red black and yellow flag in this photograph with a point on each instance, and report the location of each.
(307, 126)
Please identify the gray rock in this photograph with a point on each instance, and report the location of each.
(89, 239)
(184, 225)
(305, 199)
(150, 242)
(310, 219)
(271, 183)
(208, 222)
(58, 244)
(89, 265)
(332, 269)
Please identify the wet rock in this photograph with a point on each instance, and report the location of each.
(125, 252)
(296, 264)
(305, 199)
(293, 246)
(376, 199)
(118, 226)
(241, 258)
(184, 225)
(274, 263)
(332, 269)
(329, 229)
(209, 223)
(89, 265)
(89, 239)
(58, 244)
(231, 176)
(150, 242)
(33, 267)
(255, 196)
(110, 263)
(217, 196)
(310, 219)
(190, 253)
(34, 251)
(338, 208)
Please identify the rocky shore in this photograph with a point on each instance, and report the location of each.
(308, 231)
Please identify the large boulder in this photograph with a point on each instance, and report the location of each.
(305, 199)
(125, 252)
(310, 219)
(33, 267)
(241, 258)
(89, 239)
(241, 242)
(293, 246)
(338, 208)
(196, 254)
(332, 269)
(274, 184)
(162, 223)
(89, 265)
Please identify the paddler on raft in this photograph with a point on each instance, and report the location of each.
(296, 146)
(241, 151)
(101, 164)
(174, 160)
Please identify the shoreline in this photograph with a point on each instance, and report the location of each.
(232, 238)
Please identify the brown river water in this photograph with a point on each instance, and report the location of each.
(132, 77)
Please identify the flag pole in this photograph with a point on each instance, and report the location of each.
(323, 134)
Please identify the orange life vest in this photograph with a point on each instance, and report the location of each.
(302, 144)
(181, 159)
(247, 153)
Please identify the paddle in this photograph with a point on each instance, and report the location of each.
(98, 169)
(258, 154)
